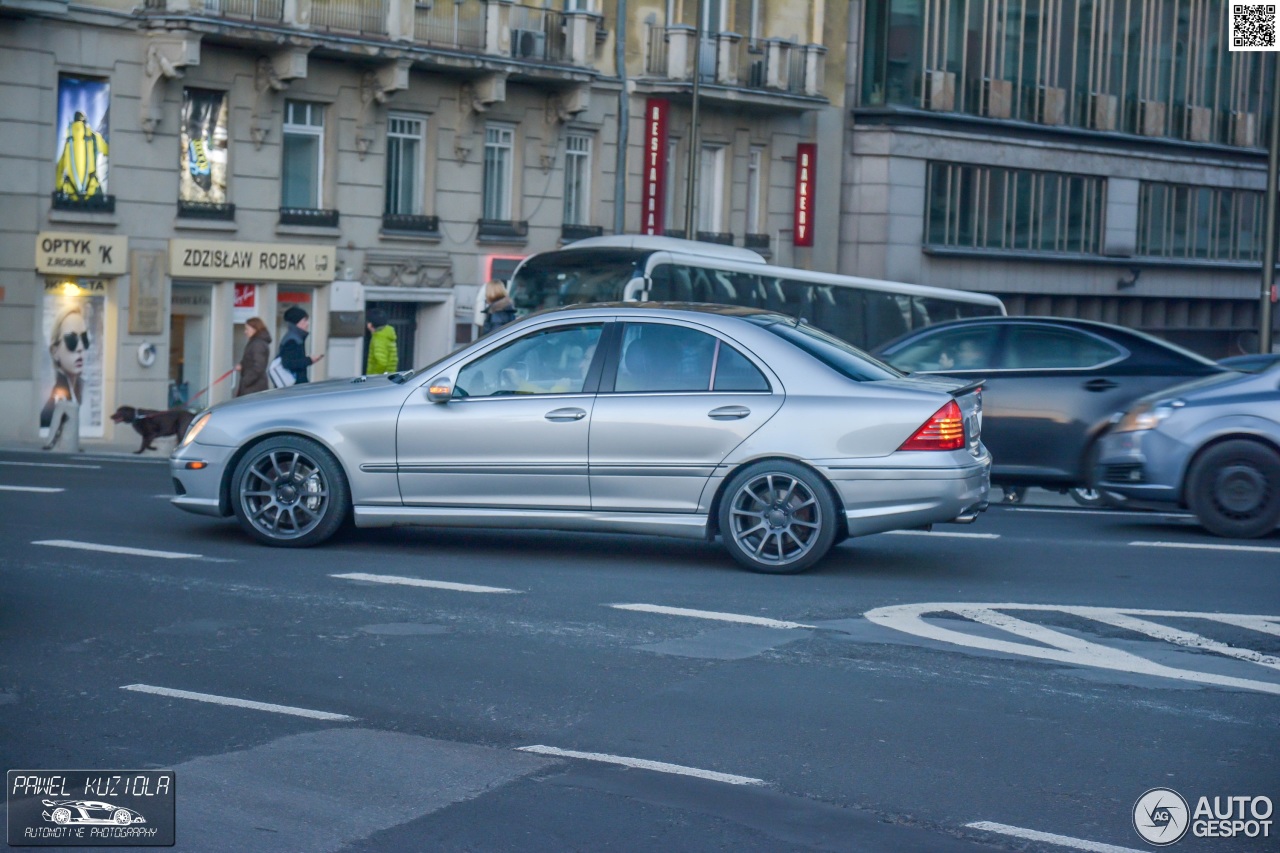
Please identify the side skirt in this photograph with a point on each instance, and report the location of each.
(682, 525)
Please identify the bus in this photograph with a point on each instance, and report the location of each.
(865, 312)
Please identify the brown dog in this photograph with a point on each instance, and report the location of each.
(152, 423)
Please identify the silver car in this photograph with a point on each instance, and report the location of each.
(675, 420)
(1212, 445)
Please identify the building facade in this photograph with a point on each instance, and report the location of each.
(1085, 158)
(176, 167)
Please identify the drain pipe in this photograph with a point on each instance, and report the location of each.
(624, 123)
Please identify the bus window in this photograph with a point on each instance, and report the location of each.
(842, 311)
(926, 310)
(887, 317)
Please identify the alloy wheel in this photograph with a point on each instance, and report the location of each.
(776, 519)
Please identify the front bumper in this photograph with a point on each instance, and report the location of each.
(200, 490)
(1143, 465)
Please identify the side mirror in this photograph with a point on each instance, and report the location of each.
(636, 290)
(440, 390)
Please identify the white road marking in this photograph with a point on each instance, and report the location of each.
(393, 579)
(44, 490)
(51, 465)
(943, 533)
(1097, 511)
(237, 703)
(1050, 838)
(644, 764)
(709, 614)
(1060, 647)
(117, 549)
(1208, 546)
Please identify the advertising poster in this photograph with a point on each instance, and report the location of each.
(81, 156)
(203, 143)
(72, 330)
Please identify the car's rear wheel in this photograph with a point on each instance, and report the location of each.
(1086, 496)
(122, 817)
(1234, 489)
(778, 517)
(290, 491)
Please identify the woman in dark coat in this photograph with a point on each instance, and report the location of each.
(257, 355)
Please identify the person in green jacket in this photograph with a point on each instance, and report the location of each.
(384, 356)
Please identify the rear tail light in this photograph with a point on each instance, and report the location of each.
(943, 431)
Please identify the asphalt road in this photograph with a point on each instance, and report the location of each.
(982, 706)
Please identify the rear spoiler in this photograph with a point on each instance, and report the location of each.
(967, 389)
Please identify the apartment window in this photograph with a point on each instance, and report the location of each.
(980, 207)
(301, 177)
(1210, 223)
(755, 159)
(499, 143)
(577, 180)
(711, 189)
(404, 164)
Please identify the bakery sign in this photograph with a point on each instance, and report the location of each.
(281, 262)
(806, 161)
(67, 253)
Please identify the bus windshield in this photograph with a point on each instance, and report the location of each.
(554, 279)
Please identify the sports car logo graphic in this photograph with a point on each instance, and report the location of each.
(89, 813)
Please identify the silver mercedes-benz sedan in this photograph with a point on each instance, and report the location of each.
(677, 420)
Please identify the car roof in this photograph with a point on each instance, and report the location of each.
(672, 310)
(1097, 327)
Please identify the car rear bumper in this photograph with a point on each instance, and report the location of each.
(200, 490)
(881, 499)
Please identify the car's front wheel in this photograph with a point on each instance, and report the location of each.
(62, 815)
(290, 491)
(1234, 489)
(778, 517)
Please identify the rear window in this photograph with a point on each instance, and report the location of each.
(842, 357)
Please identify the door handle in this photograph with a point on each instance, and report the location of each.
(728, 413)
(566, 414)
(1099, 385)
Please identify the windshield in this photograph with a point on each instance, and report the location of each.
(842, 357)
(572, 277)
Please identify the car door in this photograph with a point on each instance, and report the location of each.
(514, 435)
(675, 400)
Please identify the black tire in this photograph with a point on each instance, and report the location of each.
(1234, 489)
(1086, 496)
(770, 502)
(290, 492)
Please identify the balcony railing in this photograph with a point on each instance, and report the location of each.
(101, 203)
(363, 17)
(450, 23)
(206, 210)
(537, 33)
(724, 239)
(309, 216)
(759, 242)
(411, 224)
(569, 233)
(503, 229)
(245, 10)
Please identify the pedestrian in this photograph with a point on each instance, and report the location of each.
(498, 307)
(257, 354)
(384, 355)
(293, 354)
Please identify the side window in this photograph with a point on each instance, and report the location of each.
(734, 372)
(659, 357)
(552, 361)
(952, 349)
(1032, 347)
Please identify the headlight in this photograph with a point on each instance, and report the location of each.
(1148, 416)
(194, 429)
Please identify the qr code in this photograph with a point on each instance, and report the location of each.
(1253, 26)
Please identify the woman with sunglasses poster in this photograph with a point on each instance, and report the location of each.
(74, 373)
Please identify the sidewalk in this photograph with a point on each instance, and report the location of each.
(125, 452)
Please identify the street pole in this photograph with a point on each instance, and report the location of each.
(1269, 228)
(691, 178)
(624, 123)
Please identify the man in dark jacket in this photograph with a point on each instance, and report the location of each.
(293, 353)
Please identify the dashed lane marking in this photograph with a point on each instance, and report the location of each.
(644, 764)
(1061, 647)
(393, 579)
(40, 490)
(51, 465)
(117, 549)
(1082, 511)
(1050, 838)
(1208, 546)
(237, 703)
(709, 614)
(943, 533)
